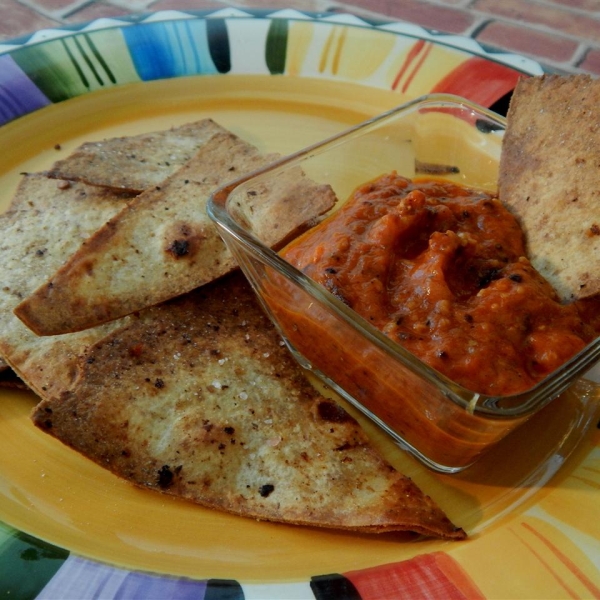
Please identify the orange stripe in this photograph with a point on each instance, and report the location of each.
(412, 54)
(590, 482)
(565, 560)
(338, 51)
(591, 469)
(326, 50)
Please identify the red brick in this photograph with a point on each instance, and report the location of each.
(591, 62)
(132, 5)
(17, 20)
(460, 3)
(187, 5)
(96, 10)
(432, 16)
(60, 6)
(525, 11)
(306, 5)
(543, 46)
(589, 5)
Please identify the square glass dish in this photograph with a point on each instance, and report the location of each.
(442, 423)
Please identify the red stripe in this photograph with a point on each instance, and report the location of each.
(412, 55)
(416, 68)
(434, 576)
(480, 80)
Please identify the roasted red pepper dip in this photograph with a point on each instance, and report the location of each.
(441, 269)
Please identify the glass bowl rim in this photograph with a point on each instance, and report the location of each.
(521, 404)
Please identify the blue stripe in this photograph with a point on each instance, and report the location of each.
(171, 49)
(82, 579)
(18, 94)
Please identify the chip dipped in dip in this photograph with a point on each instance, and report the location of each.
(442, 270)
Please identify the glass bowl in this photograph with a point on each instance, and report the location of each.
(442, 423)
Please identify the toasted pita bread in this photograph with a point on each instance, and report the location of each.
(135, 163)
(164, 241)
(198, 398)
(44, 225)
(550, 178)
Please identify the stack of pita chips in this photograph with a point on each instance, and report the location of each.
(163, 368)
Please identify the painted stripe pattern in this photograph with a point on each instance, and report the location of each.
(434, 575)
(79, 61)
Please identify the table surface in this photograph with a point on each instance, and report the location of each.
(562, 34)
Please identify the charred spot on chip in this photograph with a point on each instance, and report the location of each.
(229, 430)
(165, 477)
(159, 383)
(344, 446)
(179, 248)
(266, 490)
(332, 412)
(595, 229)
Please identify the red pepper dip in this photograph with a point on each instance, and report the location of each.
(442, 270)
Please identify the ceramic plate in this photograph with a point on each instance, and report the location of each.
(281, 80)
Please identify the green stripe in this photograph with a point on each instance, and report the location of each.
(26, 564)
(100, 58)
(75, 64)
(276, 46)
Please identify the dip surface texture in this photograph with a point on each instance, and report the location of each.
(441, 269)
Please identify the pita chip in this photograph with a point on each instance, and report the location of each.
(163, 243)
(198, 398)
(550, 178)
(44, 225)
(135, 163)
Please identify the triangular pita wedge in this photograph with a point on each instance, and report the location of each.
(43, 226)
(163, 243)
(550, 178)
(136, 162)
(200, 399)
